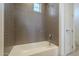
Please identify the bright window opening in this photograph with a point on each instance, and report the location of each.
(37, 7)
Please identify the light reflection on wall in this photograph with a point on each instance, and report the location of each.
(52, 10)
(77, 12)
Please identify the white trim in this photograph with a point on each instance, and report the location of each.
(61, 29)
(74, 44)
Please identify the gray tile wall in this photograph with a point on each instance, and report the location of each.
(9, 28)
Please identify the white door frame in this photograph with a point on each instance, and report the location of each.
(62, 30)
(74, 43)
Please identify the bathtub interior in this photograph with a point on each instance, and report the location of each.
(35, 49)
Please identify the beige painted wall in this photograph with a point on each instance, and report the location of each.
(9, 28)
(76, 20)
(29, 24)
(1, 29)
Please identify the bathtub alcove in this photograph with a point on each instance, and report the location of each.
(31, 29)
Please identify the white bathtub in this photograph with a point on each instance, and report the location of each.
(35, 49)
